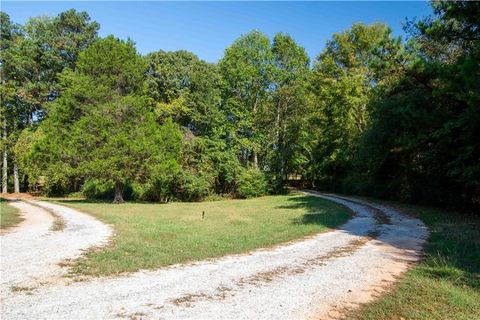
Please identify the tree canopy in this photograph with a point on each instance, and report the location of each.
(372, 115)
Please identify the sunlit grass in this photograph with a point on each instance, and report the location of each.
(9, 216)
(150, 235)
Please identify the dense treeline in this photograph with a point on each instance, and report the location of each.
(372, 115)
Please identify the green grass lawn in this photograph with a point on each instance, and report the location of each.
(446, 285)
(153, 235)
(9, 216)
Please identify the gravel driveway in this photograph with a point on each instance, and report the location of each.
(31, 252)
(318, 277)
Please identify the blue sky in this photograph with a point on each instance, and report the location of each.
(207, 28)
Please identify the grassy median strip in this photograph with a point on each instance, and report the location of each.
(446, 284)
(9, 216)
(150, 235)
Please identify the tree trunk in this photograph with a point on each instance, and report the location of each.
(277, 125)
(30, 118)
(5, 172)
(118, 193)
(16, 183)
(244, 155)
(5, 160)
(26, 187)
(254, 152)
(255, 159)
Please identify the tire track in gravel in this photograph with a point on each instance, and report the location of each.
(317, 277)
(50, 234)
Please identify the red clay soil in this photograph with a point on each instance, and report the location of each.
(16, 196)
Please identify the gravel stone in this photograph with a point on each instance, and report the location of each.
(317, 277)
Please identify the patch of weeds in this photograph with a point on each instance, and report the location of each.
(59, 224)
(22, 289)
(133, 316)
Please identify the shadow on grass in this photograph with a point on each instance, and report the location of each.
(319, 211)
(101, 201)
(453, 250)
(310, 218)
(310, 203)
(83, 201)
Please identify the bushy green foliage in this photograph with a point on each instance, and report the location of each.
(247, 70)
(98, 189)
(400, 120)
(342, 83)
(192, 187)
(251, 183)
(373, 116)
(159, 185)
(103, 189)
(186, 89)
(423, 142)
(31, 57)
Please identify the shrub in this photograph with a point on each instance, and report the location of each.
(158, 190)
(192, 187)
(184, 186)
(98, 189)
(55, 181)
(159, 186)
(141, 191)
(251, 183)
(74, 195)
